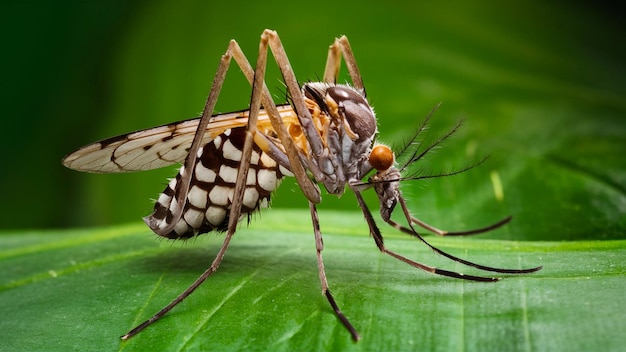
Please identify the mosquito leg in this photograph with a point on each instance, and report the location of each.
(461, 233)
(333, 62)
(182, 188)
(378, 238)
(353, 68)
(244, 166)
(319, 245)
(304, 116)
(205, 275)
(310, 189)
(414, 233)
(255, 106)
(341, 46)
(186, 293)
(235, 209)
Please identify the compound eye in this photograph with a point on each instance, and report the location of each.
(356, 109)
(381, 157)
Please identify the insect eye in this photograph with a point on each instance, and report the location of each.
(381, 157)
(356, 110)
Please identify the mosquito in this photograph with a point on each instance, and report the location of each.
(233, 162)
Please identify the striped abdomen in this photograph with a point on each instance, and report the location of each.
(211, 190)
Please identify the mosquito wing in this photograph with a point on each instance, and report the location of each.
(161, 146)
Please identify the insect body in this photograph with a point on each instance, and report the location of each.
(213, 179)
(232, 162)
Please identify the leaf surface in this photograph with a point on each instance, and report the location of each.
(73, 290)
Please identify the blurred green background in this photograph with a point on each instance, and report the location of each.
(541, 86)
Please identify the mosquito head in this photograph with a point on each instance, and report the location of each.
(345, 103)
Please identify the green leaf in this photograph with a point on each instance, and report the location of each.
(82, 289)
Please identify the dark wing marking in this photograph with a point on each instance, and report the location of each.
(155, 147)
